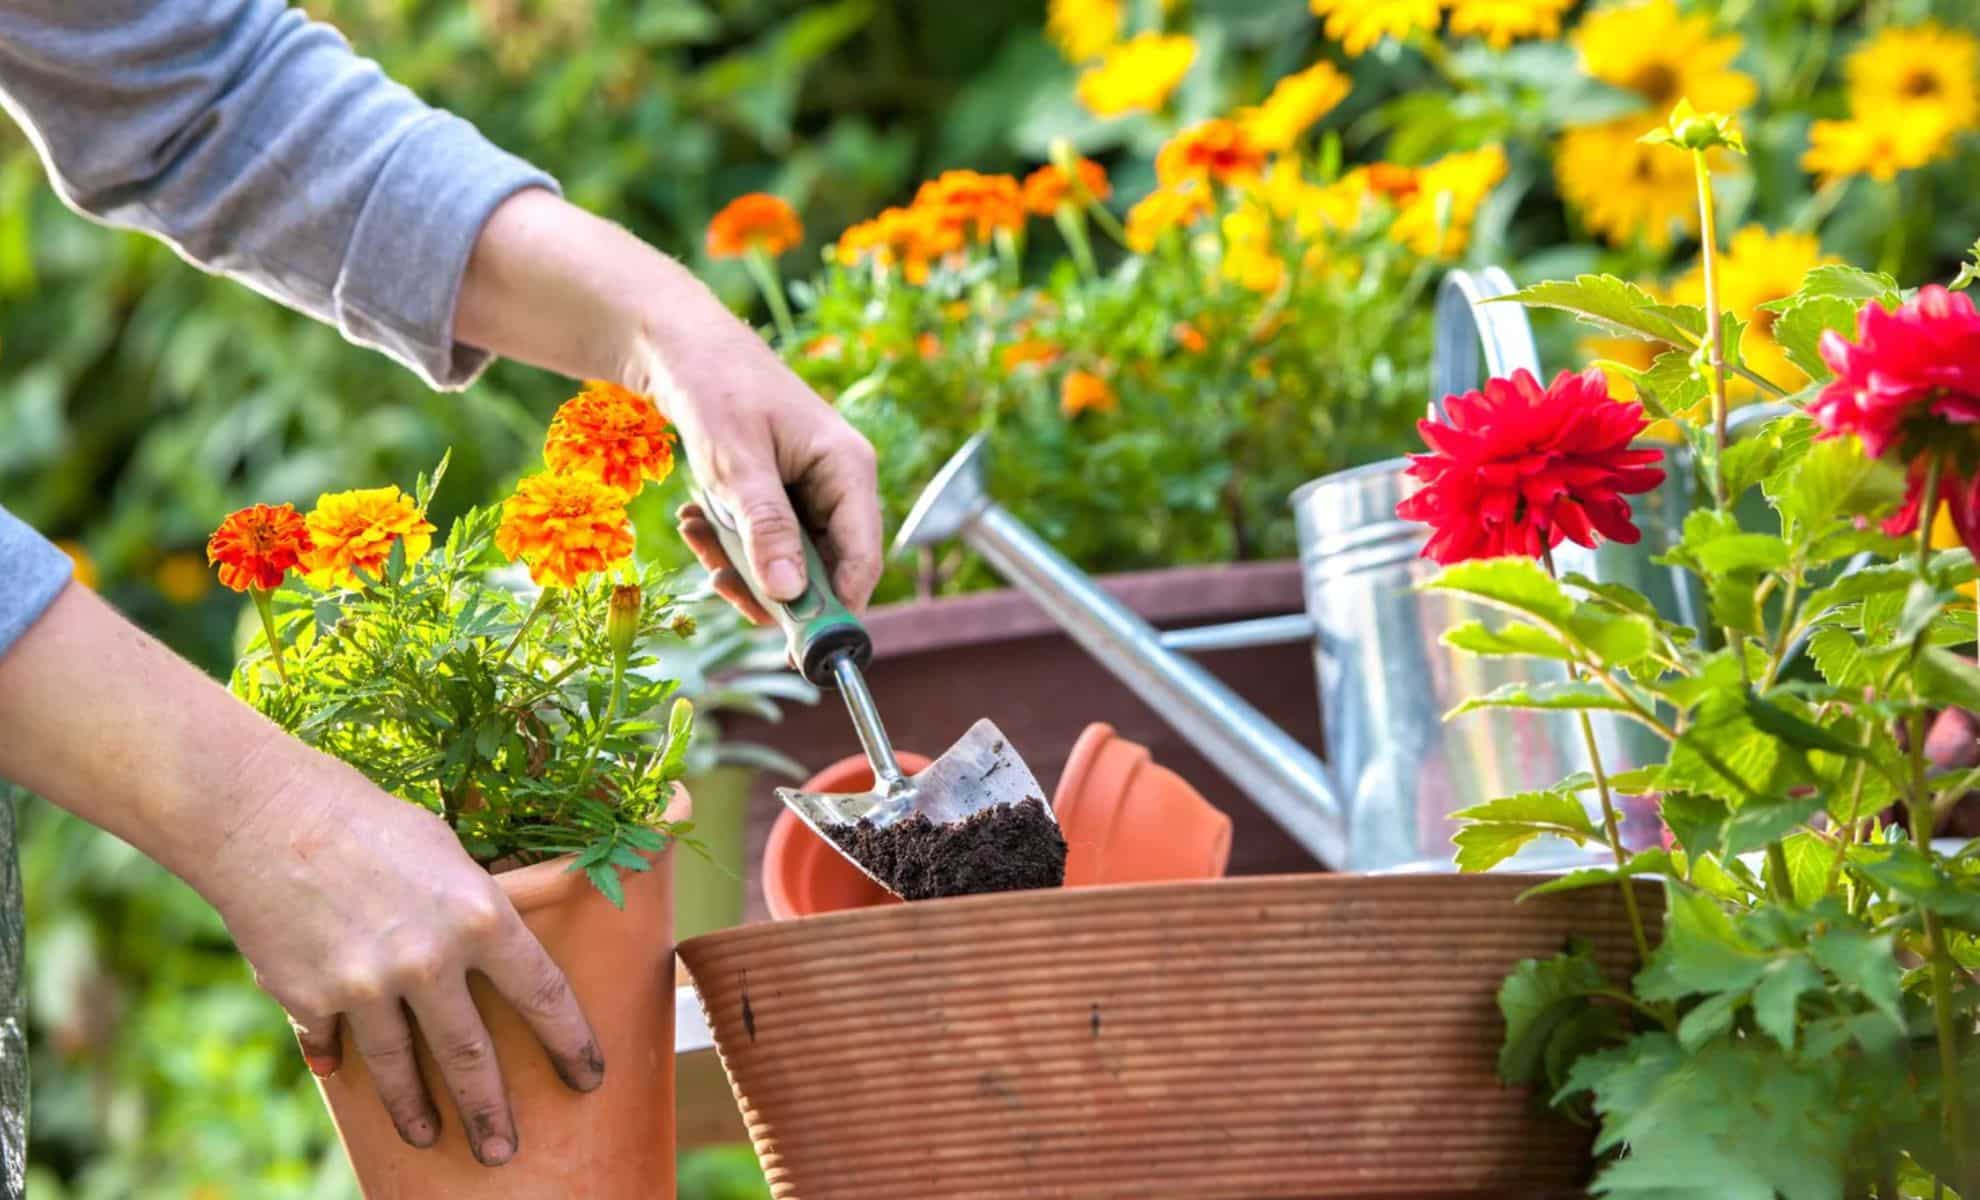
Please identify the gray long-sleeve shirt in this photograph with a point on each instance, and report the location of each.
(260, 147)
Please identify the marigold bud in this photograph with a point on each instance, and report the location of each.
(622, 621)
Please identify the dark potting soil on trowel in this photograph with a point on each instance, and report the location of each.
(1007, 848)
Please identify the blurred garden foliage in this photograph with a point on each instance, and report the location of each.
(141, 400)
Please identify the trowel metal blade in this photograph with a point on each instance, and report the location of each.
(980, 771)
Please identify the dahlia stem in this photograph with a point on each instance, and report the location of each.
(1715, 351)
(266, 608)
(764, 272)
(1611, 822)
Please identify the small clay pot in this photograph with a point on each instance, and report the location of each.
(1128, 819)
(616, 1143)
(1125, 818)
(802, 872)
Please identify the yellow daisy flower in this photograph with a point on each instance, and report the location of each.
(1622, 188)
(1296, 102)
(1358, 24)
(1139, 75)
(1083, 29)
(1501, 22)
(1756, 268)
(1879, 143)
(1652, 50)
(1920, 69)
(1436, 227)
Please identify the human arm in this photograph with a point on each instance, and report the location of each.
(100, 719)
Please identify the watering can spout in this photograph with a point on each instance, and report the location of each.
(1282, 777)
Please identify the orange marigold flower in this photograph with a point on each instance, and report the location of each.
(1083, 391)
(1029, 353)
(825, 345)
(610, 433)
(255, 547)
(1163, 209)
(354, 531)
(973, 203)
(1190, 338)
(565, 527)
(1398, 183)
(84, 565)
(928, 345)
(754, 222)
(1217, 150)
(1048, 188)
(910, 239)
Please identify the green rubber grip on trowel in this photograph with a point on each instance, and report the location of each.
(817, 627)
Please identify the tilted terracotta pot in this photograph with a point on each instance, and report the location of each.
(616, 1143)
(1316, 1036)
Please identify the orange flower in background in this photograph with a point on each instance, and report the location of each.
(1047, 188)
(928, 345)
(182, 578)
(825, 345)
(973, 203)
(1084, 391)
(911, 239)
(1163, 209)
(611, 433)
(1189, 337)
(566, 527)
(1031, 352)
(1217, 150)
(354, 531)
(754, 222)
(83, 565)
(1397, 182)
(256, 546)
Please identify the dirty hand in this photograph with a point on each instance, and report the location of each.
(553, 285)
(355, 907)
(378, 931)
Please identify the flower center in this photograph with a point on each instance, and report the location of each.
(1919, 84)
(1659, 83)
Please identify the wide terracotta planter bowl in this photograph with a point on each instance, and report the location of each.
(616, 1143)
(1314, 1036)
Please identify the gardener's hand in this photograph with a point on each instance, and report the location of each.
(351, 904)
(374, 927)
(552, 285)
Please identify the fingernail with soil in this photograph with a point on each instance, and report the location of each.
(785, 579)
(496, 1151)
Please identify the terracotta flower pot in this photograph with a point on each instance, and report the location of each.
(616, 1143)
(1321, 1036)
(1129, 820)
(1126, 820)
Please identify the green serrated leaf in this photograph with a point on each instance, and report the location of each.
(1646, 862)
(1703, 952)
(1946, 679)
(1560, 696)
(1747, 462)
(1494, 831)
(1777, 997)
(1513, 638)
(1865, 962)
(1517, 584)
(606, 879)
(1772, 718)
(1799, 329)
(1809, 857)
(1710, 1019)
(1741, 552)
(1842, 281)
(1610, 304)
(1697, 822)
(1535, 1000)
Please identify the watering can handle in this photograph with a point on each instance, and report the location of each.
(818, 628)
(1467, 327)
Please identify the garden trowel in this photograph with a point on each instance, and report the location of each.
(978, 774)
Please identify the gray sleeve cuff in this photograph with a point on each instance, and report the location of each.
(401, 278)
(32, 573)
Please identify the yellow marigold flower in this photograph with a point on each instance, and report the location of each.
(1663, 56)
(1359, 24)
(566, 527)
(182, 578)
(1083, 29)
(973, 203)
(1251, 257)
(1622, 188)
(1218, 150)
(1048, 188)
(610, 433)
(1501, 22)
(1758, 267)
(84, 564)
(1139, 75)
(1163, 209)
(1084, 391)
(354, 531)
(1920, 70)
(1879, 143)
(1296, 102)
(1435, 221)
(754, 222)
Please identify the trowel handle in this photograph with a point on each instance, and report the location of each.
(818, 627)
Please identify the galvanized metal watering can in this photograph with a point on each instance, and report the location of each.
(1394, 770)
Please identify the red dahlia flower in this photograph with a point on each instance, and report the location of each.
(1911, 382)
(1515, 469)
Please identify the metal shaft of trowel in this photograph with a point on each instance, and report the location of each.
(866, 723)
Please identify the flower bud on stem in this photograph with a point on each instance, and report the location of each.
(266, 608)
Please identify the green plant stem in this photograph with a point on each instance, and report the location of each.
(542, 605)
(264, 606)
(1611, 823)
(764, 272)
(1715, 346)
(1109, 224)
(1072, 227)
